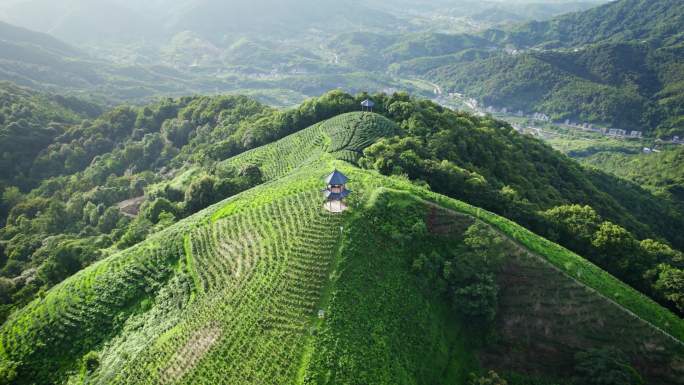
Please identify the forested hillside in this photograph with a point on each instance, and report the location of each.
(35, 40)
(42, 62)
(657, 21)
(407, 286)
(632, 86)
(660, 172)
(29, 122)
(618, 65)
(168, 157)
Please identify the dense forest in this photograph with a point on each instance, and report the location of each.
(656, 167)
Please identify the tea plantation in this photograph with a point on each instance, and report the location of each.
(269, 288)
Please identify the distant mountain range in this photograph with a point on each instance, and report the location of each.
(656, 21)
(39, 61)
(87, 21)
(617, 64)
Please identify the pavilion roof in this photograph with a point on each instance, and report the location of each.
(336, 178)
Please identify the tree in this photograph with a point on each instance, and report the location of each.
(109, 220)
(252, 174)
(6, 290)
(159, 206)
(471, 273)
(200, 194)
(574, 223)
(8, 371)
(177, 131)
(91, 361)
(659, 252)
(605, 366)
(11, 197)
(670, 285)
(137, 232)
(616, 248)
(486, 249)
(478, 300)
(91, 214)
(59, 266)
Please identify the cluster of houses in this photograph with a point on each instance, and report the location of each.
(611, 132)
(582, 126)
(541, 117)
(617, 133)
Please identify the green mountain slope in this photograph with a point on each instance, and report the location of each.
(617, 65)
(25, 37)
(660, 172)
(232, 294)
(105, 185)
(621, 85)
(618, 21)
(29, 122)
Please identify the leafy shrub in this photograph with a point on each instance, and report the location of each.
(605, 366)
(91, 361)
(478, 300)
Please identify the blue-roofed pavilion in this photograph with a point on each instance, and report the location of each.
(336, 192)
(367, 105)
(336, 179)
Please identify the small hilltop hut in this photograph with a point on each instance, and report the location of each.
(367, 105)
(336, 192)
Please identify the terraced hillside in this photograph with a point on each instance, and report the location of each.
(268, 288)
(344, 136)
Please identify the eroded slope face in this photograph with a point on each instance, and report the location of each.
(546, 317)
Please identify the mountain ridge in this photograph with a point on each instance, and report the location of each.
(230, 229)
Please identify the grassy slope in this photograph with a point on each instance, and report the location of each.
(231, 294)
